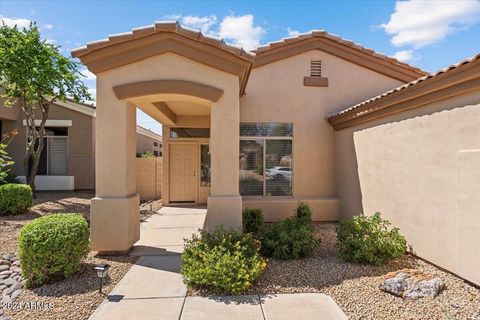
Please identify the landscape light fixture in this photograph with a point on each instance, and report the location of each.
(102, 270)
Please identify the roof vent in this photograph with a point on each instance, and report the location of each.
(316, 68)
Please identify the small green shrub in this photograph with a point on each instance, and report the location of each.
(291, 238)
(370, 240)
(304, 212)
(252, 220)
(15, 198)
(221, 261)
(52, 245)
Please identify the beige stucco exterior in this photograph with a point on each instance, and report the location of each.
(419, 168)
(148, 141)
(276, 93)
(80, 141)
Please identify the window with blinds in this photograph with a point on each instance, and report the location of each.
(266, 159)
(54, 157)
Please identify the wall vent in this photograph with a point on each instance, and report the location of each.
(316, 68)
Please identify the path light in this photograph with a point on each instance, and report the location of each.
(102, 270)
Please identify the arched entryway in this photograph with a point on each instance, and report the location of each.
(184, 80)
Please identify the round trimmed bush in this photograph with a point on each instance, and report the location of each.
(51, 246)
(369, 240)
(15, 198)
(221, 261)
(291, 238)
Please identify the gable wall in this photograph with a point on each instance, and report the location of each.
(275, 93)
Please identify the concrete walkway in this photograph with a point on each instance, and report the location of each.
(153, 287)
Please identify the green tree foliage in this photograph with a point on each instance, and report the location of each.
(33, 74)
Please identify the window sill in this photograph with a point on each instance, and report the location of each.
(315, 82)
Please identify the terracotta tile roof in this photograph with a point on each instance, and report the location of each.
(404, 87)
(323, 34)
(162, 26)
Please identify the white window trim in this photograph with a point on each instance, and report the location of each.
(51, 123)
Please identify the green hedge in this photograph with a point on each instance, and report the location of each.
(52, 245)
(221, 261)
(15, 198)
(365, 239)
(252, 220)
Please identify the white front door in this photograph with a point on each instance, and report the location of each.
(183, 161)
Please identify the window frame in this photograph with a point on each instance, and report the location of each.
(264, 141)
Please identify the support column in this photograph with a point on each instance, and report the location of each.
(114, 212)
(225, 203)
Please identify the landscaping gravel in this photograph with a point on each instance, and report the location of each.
(356, 287)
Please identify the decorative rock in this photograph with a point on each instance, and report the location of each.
(16, 293)
(2, 287)
(8, 257)
(9, 291)
(1, 312)
(9, 282)
(4, 267)
(16, 269)
(16, 263)
(5, 262)
(411, 284)
(8, 272)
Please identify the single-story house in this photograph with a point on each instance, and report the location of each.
(68, 158)
(273, 126)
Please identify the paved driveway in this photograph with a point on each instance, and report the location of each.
(153, 287)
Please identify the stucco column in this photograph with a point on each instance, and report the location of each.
(114, 213)
(225, 202)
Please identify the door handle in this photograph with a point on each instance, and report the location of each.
(194, 173)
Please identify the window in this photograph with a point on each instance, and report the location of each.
(155, 143)
(189, 132)
(54, 157)
(266, 159)
(155, 153)
(205, 172)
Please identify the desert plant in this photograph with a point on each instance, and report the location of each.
(252, 220)
(304, 212)
(221, 261)
(51, 246)
(288, 239)
(145, 154)
(369, 239)
(15, 198)
(5, 160)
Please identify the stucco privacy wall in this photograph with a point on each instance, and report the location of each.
(81, 163)
(275, 93)
(420, 169)
(149, 178)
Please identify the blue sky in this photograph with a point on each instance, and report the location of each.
(427, 34)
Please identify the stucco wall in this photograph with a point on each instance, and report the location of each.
(275, 93)
(149, 178)
(145, 144)
(80, 145)
(420, 169)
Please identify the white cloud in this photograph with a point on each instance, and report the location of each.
(418, 23)
(292, 33)
(404, 55)
(238, 30)
(203, 24)
(87, 75)
(19, 22)
(241, 31)
(48, 26)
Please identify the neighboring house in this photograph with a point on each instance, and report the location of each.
(68, 158)
(148, 141)
(266, 129)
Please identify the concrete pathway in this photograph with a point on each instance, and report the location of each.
(153, 287)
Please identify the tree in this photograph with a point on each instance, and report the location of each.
(33, 74)
(5, 160)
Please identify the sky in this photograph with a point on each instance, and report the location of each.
(430, 34)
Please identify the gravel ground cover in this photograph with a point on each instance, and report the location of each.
(73, 298)
(355, 287)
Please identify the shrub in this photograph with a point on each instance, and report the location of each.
(221, 261)
(52, 245)
(304, 212)
(252, 220)
(15, 198)
(291, 238)
(369, 240)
